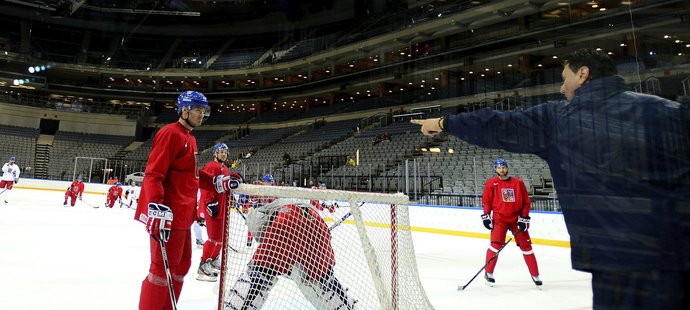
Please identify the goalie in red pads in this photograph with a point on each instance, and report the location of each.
(295, 242)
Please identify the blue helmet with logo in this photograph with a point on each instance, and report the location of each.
(79, 177)
(268, 178)
(13, 158)
(191, 99)
(500, 162)
(220, 146)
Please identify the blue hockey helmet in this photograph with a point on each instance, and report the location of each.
(118, 184)
(268, 178)
(220, 146)
(500, 162)
(13, 158)
(191, 99)
(79, 177)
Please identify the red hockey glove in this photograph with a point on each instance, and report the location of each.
(225, 183)
(523, 223)
(159, 222)
(488, 222)
(212, 208)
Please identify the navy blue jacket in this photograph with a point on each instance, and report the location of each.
(620, 163)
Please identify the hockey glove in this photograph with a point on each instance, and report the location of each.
(159, 222)
(488, 222)
(212, 208)
(225, 183)
(523, 223)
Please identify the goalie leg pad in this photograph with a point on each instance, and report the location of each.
(327, 293)
(335, 294)
(251, 289)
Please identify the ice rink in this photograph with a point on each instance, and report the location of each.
(53, 257)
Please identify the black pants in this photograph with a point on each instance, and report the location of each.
(648, 290)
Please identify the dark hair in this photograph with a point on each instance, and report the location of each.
(599, 64)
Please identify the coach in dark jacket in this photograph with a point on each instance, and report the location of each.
(621, 164)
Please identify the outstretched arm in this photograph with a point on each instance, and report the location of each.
(431, 126)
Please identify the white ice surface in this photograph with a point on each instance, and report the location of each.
(53, 257)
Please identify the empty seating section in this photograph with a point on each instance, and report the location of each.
(229, 118)
(21, 143)
(207, 138)
(462, 171)
(374, 157)
(236, 59)
(466, 169)
(69, 145)
(307, 141)
(255, 140)
(309, 46)
(142, 152)
(167, 117)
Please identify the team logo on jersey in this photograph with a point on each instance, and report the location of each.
(508, 194)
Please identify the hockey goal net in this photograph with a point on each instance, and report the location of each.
(318, 249)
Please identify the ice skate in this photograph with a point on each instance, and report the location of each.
(216, 264)
(490, 280)
(537, 281)
(249, 243)
(206, 272)
(64, 204)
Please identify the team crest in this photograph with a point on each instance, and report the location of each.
(508, 194)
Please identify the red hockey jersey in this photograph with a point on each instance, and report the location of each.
(172, 177)
(76, 189)
(508, 199)
(214, 169)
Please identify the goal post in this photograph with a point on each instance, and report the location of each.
(318, 249)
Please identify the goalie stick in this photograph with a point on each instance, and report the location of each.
(461, 288)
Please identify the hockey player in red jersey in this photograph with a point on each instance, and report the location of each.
(114, 194)
(74, 191)
(506, 206)
(170, 188)
(212, 208)
(294, 242)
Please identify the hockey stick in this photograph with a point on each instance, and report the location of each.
(171, 291)
(342, 219)
(3, 190)
(461, 288)
(88, 204)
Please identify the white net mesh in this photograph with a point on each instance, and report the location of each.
(319, 249)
